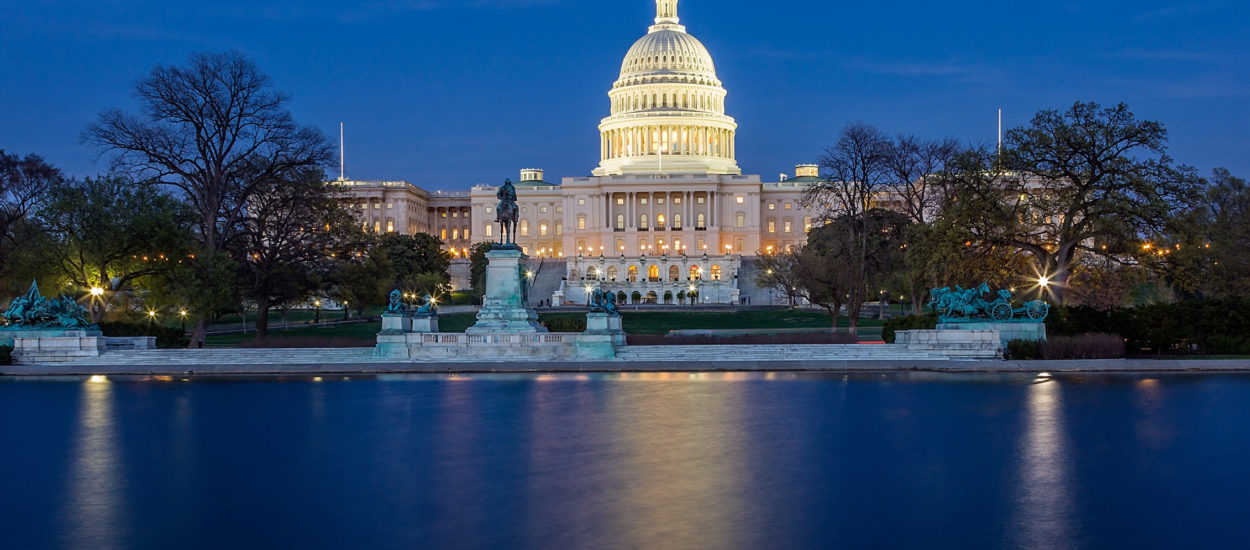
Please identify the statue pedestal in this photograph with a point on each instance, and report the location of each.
(56, 345)
(425, 324)
(396, 323)
(503, 310)
(602, 322)
(1007, 330)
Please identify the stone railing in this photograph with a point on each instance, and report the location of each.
(419, 346)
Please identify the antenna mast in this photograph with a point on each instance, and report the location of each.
(342, 162)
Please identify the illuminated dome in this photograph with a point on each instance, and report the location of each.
(668, 107)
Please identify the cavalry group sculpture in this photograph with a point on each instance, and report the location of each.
(32, 310)
(979, 303)
(603, 302)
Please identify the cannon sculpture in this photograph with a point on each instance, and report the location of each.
(960, 304)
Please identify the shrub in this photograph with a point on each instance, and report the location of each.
(740, 339)
(927, 321)
(166, 337)
(6, 355)
(1085, 346)
(565, 323)
(1023, 350)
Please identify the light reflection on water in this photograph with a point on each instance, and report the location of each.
(96, 501)
(643, 460)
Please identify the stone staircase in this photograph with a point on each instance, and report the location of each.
(232, 356)
(547, 278)
(779, 353)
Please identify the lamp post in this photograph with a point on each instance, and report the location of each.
(344, 310)
(317, 314)
(182, 314)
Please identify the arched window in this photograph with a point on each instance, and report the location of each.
(573, 274)
(716, 272)
(620, 221)
(455, 234)
(542, 229)
(700, 221)
(807, 224)
(642, 223)
(696, 273)
(525, 229)
(612, 273)
(633, 273)
(659, 221)
(676, 221)
(581, 222)
(653, 273)
(674, 273)
(490, 229)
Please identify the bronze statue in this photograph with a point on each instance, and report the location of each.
(428, 309)
(33, 310)
(396, 304)
(507, 214)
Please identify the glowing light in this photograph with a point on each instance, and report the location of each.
(98, 379)
(151, 313)
(182, 312)
(97, 291)
(1043, 281)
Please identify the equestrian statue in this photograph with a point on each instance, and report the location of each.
(507, 214)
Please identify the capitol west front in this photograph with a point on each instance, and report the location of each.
(667, 213)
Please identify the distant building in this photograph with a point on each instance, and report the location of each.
(666, 211)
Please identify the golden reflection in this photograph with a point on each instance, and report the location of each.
(1044, 507)
(682, 448)
(96, 497)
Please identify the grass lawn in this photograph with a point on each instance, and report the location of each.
(643, 322)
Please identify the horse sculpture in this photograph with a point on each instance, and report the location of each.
(507, 214)
(963, 304)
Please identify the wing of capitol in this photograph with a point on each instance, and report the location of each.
(667, 217)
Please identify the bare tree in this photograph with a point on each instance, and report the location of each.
(25, 185)
(855, 170)
(913, 175)
(216, 130)
(780, 271)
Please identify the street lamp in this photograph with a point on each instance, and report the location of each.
(344, 310)
(97, 291)
(182, 313)
(317, 309)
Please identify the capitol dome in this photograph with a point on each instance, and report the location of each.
(668, 107)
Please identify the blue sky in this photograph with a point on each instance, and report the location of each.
(448, 94)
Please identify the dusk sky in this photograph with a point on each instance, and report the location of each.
(447, 94)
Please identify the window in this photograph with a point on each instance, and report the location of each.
(612, 273)
(390, 226)
(677, 245)
(444, 214)
(659, 221)
(489, 210)
(698, 200)
(619, 201)
(443, 235)
(377, 206)
(559, 210)
(581, 222)
(676, 200)
(740, 220)
(642, 245)
(674, 273)
(716, 272)
(676, 221)
(807, 224)
(659, 200)
(455, 234)
(620, 221)
(377, 227)
(542, 229)
(364, 205)
(490, 230)
(542, 209)
(642, 222)
(787, 227)
(787, 206)
(772, 226)
(696, 273)
(559, 229)
(740, 199)
(633, 273)
(700, 244)
(772, 206)
(738, 245)
(653, 273)
(620, 245)
(699, 222)
(455, 214)
(525, 228)
(642, 201)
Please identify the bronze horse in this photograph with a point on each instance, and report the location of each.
(507, 215)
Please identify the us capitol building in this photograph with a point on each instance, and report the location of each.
(666, 217)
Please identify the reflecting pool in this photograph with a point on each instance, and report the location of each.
(718, 461)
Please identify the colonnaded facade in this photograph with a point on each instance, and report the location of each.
(666, 215)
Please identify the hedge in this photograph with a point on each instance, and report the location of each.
(927, 321)
(166, 337)
(6, 355)
(1211, 326)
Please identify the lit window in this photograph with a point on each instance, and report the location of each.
(642, 222)
(677, 200)
(525, 228)
(642, 200)
(390, 226)
(741, 220)
(444, 214)
(581, 222)
(489, 210)
(443, 235)
(543, 209)
(659, 221)
(715, 272)
(787, 227)
(542, 229)
(455, 214)
(698, 200)
(620, 221)
(659, 200)
(377, 206)
(559, 229)
(700, 221)
(455, 234)
(772, 226)
(559, 209)
(807, 224)
(490, 230)
(740, 199)
(787, 206)
(581, 202)
(772, 206)
(619, 201)
(377, 227)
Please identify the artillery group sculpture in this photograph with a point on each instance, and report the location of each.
(979, 304)
(603, 302)
(33, 311)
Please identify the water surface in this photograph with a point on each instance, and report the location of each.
(718, 461)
